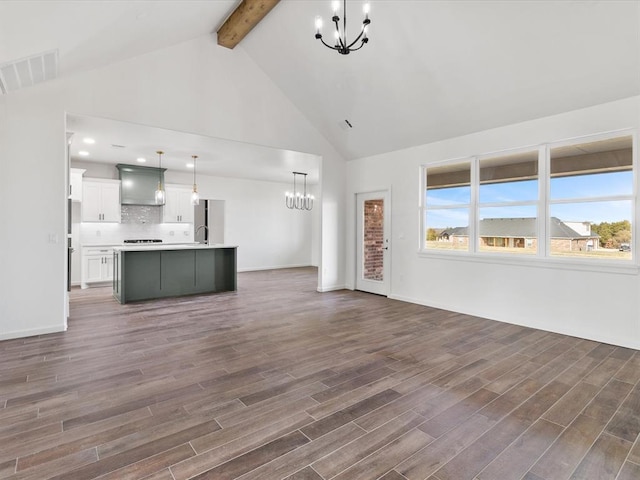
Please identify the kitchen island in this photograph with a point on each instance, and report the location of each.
(144, 272)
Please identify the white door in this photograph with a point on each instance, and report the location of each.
(91, 202)
(170, 208)
(93, 268)
(373, 253)
(110, 202)
(216, 221)
(186, 209)
(107, 267)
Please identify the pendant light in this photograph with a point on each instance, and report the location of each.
(298, 200)
(160, 195)
(195, 198)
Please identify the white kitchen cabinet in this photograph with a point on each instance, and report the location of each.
(75, 184)
(177, 207)
(97, 265)
(100, 200)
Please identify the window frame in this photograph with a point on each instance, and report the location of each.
(632, 197)
(469, 206)
(543, 204)
(516, 203)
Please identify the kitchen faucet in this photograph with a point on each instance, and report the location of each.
(206, 230)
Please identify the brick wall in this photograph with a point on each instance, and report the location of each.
(461, 242)
(373, 239)
(575, 245)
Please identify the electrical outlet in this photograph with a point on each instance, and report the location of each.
(98, 233)
(186, 233)
(171, 233)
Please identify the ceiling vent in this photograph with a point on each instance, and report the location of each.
(28, 71)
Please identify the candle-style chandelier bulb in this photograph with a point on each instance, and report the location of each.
(342, 46)
(299, 200)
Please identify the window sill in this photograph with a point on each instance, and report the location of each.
(623, 267)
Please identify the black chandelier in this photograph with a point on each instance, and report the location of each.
(342, 46)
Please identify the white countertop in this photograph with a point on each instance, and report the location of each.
(100, 245)
(145, 247)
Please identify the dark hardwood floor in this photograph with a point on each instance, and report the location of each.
(278, 381)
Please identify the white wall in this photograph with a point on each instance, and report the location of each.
(268, 234)
(194, 87)
(595, 303)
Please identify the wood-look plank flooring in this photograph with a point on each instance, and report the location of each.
(276, 381)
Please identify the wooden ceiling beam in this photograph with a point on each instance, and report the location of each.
(246, 16)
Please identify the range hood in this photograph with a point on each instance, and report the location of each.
(138, 184)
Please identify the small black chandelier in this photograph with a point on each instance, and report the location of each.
(342, 46)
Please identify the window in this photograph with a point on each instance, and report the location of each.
(570, 199)
(508, 197)
(591, 199)
(447, 200)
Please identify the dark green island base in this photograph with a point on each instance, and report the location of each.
(143, 273)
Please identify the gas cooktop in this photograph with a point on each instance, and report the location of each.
(143, 240)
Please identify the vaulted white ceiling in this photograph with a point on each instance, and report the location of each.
(432, 69)
(439, 69)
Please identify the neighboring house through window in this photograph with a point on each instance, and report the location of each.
(582, 206)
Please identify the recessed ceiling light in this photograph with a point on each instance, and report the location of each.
(88, 141)
(189, 165)
(83, 153)
(141, 159)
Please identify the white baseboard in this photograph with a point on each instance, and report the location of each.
(623, 342)
(332, 288)
(275, 267)
(31, 333)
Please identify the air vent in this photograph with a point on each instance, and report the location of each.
(28, 71)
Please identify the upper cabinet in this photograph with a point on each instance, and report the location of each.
(75, 184)
(178, 208)
(100, 200)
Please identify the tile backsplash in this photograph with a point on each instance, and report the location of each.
(141, 214)
(138, 221)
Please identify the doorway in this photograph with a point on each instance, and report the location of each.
(209, 222)
(373, 222)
